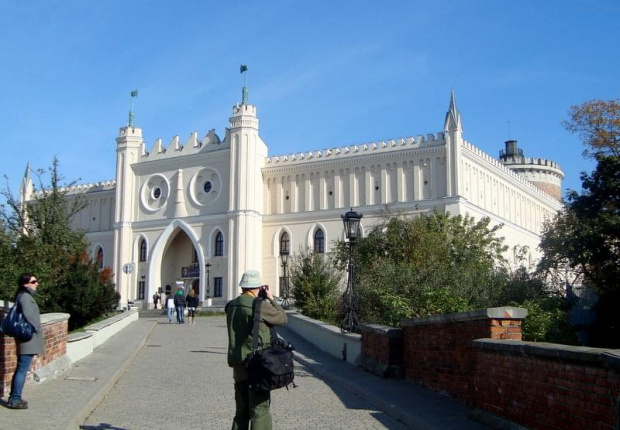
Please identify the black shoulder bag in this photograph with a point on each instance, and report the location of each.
(269, 368)
(15, 325)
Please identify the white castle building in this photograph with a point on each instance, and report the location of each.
(202, 212)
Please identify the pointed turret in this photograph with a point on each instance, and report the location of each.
(453, 116)
(27, 188)
(453, 131)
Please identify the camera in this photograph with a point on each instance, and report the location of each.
(262, 293)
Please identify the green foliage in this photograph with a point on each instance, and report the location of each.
(84, 292)
(38, 238)
(315, 283)
(585, 239)
(9, 269)
(548, 321)
(418, 266)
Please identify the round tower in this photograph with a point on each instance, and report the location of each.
(545, 174)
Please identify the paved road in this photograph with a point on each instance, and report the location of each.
(155, 375)
(180, 380)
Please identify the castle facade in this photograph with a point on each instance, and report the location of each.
(200, 213)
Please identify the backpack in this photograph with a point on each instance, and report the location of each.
(272, 367)
(15, 325)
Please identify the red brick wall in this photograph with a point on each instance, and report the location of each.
(378, 345)
(479, 358)
(438, 351)
(55, 328)
(547, 386)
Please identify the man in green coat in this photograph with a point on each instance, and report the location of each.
(252, 407)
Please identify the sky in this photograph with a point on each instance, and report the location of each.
(322, 73)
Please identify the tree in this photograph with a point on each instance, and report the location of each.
(585, 237)
(598, 124)
(418, 266)
(43, 242)
(9, 270)
(315, 283)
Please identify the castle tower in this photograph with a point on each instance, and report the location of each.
(247, 155)
(545, 174)
(128, 146)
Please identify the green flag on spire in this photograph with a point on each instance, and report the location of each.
(243, 68)
(134, 93)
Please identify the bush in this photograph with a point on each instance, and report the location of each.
(315, 283)
(83, 292)
(548, 321)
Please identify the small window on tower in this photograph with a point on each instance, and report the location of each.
(157, 193)
(208, 186)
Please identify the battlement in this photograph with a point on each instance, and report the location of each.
(355, 150)
(533, 161)
(502, 167)
(193, 145)
(84, 188)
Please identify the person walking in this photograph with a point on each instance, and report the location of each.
(192, 304)
(252, 407)
(24, 298)
(179, 304)
(169, 307)
(156, 299)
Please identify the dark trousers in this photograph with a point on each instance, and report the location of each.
(252, 408)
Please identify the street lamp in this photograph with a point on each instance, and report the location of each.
(208, 267)
(350, 297)
(284, 254)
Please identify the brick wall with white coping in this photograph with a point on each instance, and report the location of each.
(61, 349)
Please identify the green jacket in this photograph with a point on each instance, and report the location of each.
(240, 321)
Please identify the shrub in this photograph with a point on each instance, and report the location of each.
(315, 284)
(548, 321)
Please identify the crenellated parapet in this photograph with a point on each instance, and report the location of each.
(384, 146)
(84, 188)
(193, 145)
(545, 174)
(90, 188)
(542, 162)
(514, 174)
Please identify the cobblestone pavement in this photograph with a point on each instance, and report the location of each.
(180, 380)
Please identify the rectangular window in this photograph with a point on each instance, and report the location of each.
(141, 290)
(217, 287)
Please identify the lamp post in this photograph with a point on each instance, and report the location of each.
(350, 297)
(208, 267)
(284, 254)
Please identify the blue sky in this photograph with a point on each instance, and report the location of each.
(322, 73)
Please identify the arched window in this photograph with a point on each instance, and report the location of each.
(219, 244)
(284, 242)
(100, 257)
(319, 241)
(142, 250)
